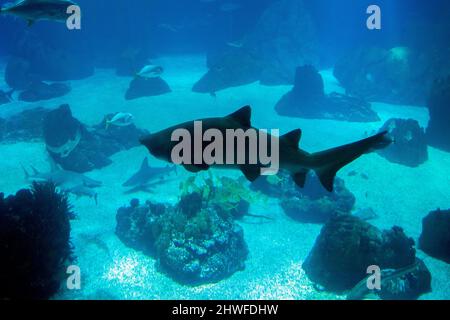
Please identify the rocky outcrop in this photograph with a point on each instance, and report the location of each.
(410, 147)
(143, 87)
(399, 75)
(75, 148)
(308, 100)
(347, 246)
(435, 237)
(39, 90)
(283, 39)
(311, 204)
(438, 131)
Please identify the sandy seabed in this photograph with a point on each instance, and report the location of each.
(399, 195)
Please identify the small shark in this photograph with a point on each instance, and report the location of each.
(38, 10)
(68, 181)
(291, 158)
(147, 176)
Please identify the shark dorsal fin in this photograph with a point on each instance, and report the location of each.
(242, 116)
(35, 171)
(144, 164)
(292, 138)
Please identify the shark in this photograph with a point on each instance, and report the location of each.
(298, 162)
(38, 10)
(147, 176)
(68, 181)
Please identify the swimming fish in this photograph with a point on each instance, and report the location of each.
(39, 10)
(150, 71)
(148, 175)
(298, 162)
(121, 119)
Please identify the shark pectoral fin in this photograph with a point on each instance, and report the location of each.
(251, 172)
(300, 178)
(242, 116)
(195, 168)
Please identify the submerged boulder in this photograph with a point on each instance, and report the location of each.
(146, 87)
(268, 54)
(435, 237)
(410, 147)
(39, 90)
(347, 246)
(307, 99)
(18, 73)
(312, 204)
(438, 131)
(75, 148)
(399, 75)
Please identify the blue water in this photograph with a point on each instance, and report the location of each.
(179, 35)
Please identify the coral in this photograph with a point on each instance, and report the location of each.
(347, 246)
(312, 204)
(435, 237)
(410, 147)
(194, 242)
(34, 242)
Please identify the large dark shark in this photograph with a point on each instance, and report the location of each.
(291, 158)
(37, 10)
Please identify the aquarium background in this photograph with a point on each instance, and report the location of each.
(180, 35)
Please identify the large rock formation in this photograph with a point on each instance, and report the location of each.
(435, 237)
(347, 246)
(39, 90)
(308, 100)
(143, 87)
(438, 131)
(283, 39)
(399, 75)
(410, 147)
(313, 204)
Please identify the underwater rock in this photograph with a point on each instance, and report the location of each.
(312, 204)
(410, 147)
(308, 100)
(400, 75)
(24, 126)
(438, 131)
(35, 247)
(47, 62)
(75, 148)
(407, 283)
(136, 225)
(347, 246)
(192, 242)
(234, 68)
(146, 87)
(267, 54)
(39, 90)
(435, 237)
(17, 73)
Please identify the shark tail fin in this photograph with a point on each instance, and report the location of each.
(329, 162)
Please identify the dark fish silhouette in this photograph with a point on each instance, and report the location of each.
(148, 175)
(36, 10)
(298, 162)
